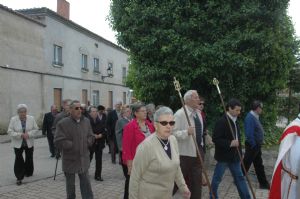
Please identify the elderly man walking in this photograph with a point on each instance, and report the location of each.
(47, 128)
(189, 163)
(73, 138)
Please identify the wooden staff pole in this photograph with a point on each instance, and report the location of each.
(216, 83)
(178, 88)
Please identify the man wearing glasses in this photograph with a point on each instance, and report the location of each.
(254, 139)
(73, 138)
(189, 162)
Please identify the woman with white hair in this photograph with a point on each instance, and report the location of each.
(156, 164)
(22, 129)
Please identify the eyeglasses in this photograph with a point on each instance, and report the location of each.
(77, 108)
(165, 123)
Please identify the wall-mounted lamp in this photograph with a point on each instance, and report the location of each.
(130, 95)
(109, 72)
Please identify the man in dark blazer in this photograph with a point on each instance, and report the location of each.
(47, 128)
(227, 144)
(111, 120)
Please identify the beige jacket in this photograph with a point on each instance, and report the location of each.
(154, 173)
(185, 142)
(15, 131)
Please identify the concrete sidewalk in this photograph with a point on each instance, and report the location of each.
(6, 138)
(42, 186)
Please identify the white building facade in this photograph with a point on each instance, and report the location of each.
(45, 58)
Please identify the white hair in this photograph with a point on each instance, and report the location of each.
(162, 111)
(22, 106)
(188, 95)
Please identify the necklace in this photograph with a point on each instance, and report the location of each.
(165, 145)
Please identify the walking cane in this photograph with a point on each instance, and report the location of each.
(178, 88)
(55, 169)
(216, 83)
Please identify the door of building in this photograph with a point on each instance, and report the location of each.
(57, 97)
(110, 99)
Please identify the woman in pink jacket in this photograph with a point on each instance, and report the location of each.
(134, 133)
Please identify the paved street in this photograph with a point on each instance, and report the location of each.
(42, 186)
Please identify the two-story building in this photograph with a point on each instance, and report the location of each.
(45, 57)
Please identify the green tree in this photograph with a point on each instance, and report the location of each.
(293, 87)
(248, 45)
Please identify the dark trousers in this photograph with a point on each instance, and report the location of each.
(23, 168)
(254, 156)
(97, 149)
(113, 148)
(192, 173)
(50, 139)
(85, 185)
(127, 178)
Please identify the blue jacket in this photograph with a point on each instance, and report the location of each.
(253, 130)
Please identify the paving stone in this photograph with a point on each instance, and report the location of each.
(113, 184)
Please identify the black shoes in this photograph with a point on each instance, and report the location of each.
(264, 186)
(19, 182)
(52, 156)
(99, 179)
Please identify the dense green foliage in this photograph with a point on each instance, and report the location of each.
(248, 45)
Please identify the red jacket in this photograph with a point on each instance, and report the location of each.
(132, 137)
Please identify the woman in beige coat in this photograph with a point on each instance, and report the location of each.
(156, 164)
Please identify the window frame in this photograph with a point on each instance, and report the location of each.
(96, 67)
(57, 55)
(96, 97)
(84, 62)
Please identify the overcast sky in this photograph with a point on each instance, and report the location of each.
(92, 14)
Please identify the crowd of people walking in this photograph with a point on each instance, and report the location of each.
(158, 150)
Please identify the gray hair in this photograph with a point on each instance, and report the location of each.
(164, 110)
(22, 106)
(66, 101)
(150, 107)
(91, 107)
(188, 95)
(73, 103)
(136, 107)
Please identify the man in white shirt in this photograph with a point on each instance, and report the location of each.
(227, 144)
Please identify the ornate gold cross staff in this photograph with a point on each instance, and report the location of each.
(178, 88)
(216, 83)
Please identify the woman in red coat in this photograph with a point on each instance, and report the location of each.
(133, 134)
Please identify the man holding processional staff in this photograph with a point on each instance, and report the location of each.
(189, 161)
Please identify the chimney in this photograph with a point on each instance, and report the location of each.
(63, 8)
